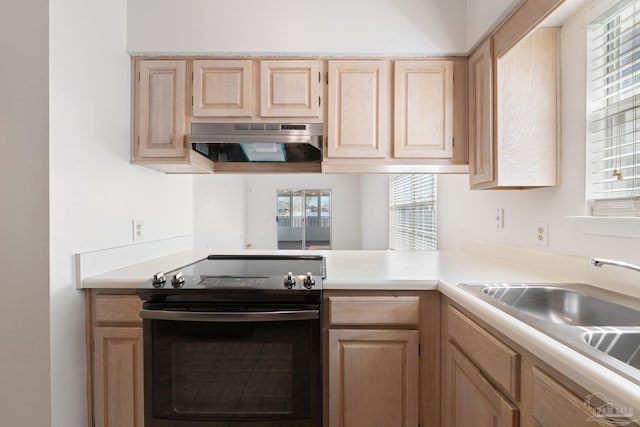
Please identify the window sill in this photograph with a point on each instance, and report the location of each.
(619, 226)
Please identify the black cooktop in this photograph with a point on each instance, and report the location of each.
(239, 278)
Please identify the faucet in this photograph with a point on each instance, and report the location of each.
(598, 262)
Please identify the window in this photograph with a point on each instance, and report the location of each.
(613, 151)
(304, 219)
(412, 212)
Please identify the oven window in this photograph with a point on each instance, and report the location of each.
(235, 371)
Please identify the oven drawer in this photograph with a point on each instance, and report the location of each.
(374, 310)
(117, 310)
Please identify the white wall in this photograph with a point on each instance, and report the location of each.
(374, 209)
(481, 17)
(302, 26)
(219, 212)
(470, 214)
(95, 191)
(24, 216)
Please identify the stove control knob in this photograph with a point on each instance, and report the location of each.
(309, 281)
(158, 280)
(289, 281)
(177, 280)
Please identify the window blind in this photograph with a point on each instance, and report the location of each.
(613, 153)
(412, 212)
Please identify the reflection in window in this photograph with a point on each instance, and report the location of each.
(304, 219)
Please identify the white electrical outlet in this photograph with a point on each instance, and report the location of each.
(137, 230)
(542, 233)
(499, 218)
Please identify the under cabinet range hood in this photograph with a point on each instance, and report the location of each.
(261, 147)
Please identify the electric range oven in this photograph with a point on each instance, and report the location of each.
(234, 341)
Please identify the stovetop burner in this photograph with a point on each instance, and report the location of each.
(239, 277)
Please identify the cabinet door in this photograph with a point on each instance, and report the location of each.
(423, 109)
(222, 88)
(473, 401)
(481, 149)
(161, 108)
(118, 377)
(290, 88)
(359, 110)
(373, 378)
(554, 405)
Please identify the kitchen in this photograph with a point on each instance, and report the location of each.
(95, 192)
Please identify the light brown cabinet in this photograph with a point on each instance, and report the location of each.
(473, 401)
(161, 108)
(359, 110)
(481, 145)
(373, 377)
(514, 113)
(423, 109)
(381, 359)
(405, 121)
(159, 139)
(290, 88)
(479, 369)
(222, 88)
(256, 89)
(115, 356)
(555, 405)
(488, 380)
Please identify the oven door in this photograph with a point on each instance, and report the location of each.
(211, 368)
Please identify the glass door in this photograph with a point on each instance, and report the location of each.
(304, 219)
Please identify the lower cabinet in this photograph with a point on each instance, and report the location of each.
(553, 404)
(373, 378)
(473, 400)
(487, 380)
(116, 370)
(381, 359)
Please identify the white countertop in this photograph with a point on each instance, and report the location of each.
(443, 270)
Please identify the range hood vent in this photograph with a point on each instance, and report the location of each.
(258, 142)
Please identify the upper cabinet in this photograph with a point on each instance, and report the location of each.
(423, 109)
(359, 109)
(159, 131)
(481, 115)
(160, 113)
(514, 103)
(222, 88)
(255, 89)
(382, 115)
(290, 88)
(405, 121)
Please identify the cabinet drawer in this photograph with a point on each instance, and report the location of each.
(110, 309)
(555, 405)
(499, 362)
(374, 310)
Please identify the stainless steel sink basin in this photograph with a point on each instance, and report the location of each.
(621, 344)
(603, 325)
(563, 306)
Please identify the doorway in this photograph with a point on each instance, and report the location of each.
(304, 219)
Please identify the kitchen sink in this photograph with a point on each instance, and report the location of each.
(602, 325)
(563, 306)
(621, 344)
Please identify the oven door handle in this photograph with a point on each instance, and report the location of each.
(244, 316)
